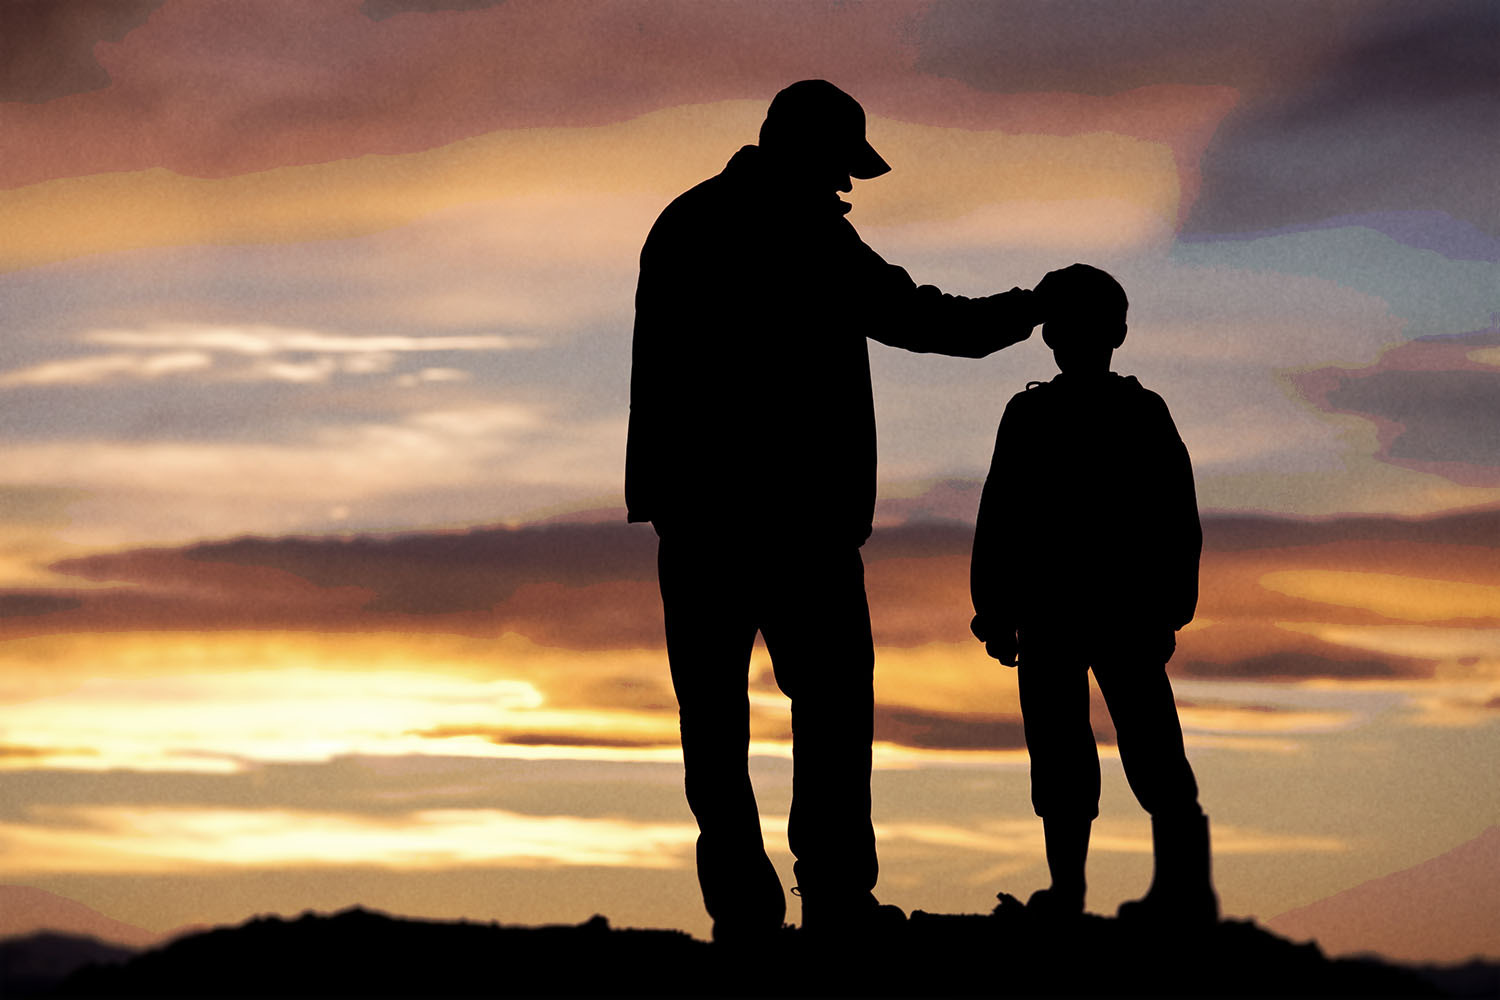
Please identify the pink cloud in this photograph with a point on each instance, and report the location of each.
(212, 89)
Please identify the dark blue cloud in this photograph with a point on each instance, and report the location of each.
(1436, 407)
(1403, 119)
(1346, 108)
(1110, 46)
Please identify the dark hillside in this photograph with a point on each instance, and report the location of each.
(1008, 953)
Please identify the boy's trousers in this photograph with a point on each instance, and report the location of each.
(1130, 667)
(808, 601)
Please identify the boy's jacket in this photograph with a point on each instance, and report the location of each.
(1089, 516)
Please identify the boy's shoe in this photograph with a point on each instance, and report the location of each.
(1182, 891)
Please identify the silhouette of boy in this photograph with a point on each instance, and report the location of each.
(1086, 556)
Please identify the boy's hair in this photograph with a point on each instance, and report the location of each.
(1084, 297)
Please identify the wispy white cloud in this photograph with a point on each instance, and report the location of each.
(102, 367)
(261, 340)
(274, 354)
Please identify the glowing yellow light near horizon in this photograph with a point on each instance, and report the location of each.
(1403, 597)
(1421, 642)
(293, 713)
(176, 839)
(1244, 719)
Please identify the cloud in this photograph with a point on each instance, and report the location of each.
(205, 93)
(1234, 533)
(379, 10)
(117, 839)
(19, 604)
(1431, 400)
(47, 46)
(432, 462)
(1344, 109)
(525, 738)
(1402, 597)
(1082, 46)
(180, 348)
(1288, 665)
(1259, 720)
(947, 730)
(269, 340)
(101, 367)
(1395, 119)
(562, 194)
(592, 585)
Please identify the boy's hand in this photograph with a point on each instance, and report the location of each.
(998, 642)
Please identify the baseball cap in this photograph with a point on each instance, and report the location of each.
(816, 115)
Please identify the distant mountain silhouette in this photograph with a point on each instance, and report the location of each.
(1008, 953)
(25, 910)
(32, 965)
(1445, 909)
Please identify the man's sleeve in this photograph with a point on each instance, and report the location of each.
(642, 439)
(993, 561)
(900, 313)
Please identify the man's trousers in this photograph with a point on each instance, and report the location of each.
(809, 604)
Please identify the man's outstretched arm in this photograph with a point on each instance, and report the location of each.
(901, 313)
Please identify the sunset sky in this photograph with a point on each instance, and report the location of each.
(315, 586)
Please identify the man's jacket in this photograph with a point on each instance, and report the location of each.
(751, 413)
(1089, 517)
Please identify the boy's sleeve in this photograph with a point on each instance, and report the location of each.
(1182, 531)
(990, 578)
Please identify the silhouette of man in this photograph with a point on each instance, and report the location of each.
(1086, 555)
(752, 452)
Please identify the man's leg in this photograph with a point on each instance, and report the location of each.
(710, 626)
(1054, 688)
(817, 631)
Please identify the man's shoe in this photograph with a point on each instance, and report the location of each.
(1056, 904)
(745, 933)
(848, 915)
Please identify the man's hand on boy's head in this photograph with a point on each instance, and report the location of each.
(1046, 290)
(999, 641)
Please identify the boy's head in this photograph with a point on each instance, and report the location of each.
(1085, 310)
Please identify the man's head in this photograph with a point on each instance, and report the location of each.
(817, 130)
(1085, 316)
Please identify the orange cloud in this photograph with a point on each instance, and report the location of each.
(1408, 598)
(620, 174)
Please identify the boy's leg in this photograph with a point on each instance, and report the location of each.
(1134, 682)
(1132, 677)
(710, 626)
(817, 631)
(1054, 688)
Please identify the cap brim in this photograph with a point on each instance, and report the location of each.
(867, 163)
